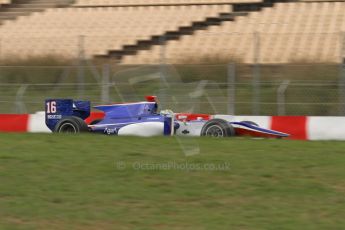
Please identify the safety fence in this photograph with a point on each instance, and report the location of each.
(302, 89)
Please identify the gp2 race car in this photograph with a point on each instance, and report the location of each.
(143, 119)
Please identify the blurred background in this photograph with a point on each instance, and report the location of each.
(243, 57)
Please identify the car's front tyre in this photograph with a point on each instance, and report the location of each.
(217, 128)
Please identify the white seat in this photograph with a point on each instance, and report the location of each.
(287, 32)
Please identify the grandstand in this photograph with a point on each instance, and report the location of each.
(156, 2)
(134, 31)
(287, 32)
(5, 2)
(12, 9)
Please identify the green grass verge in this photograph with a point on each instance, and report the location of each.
(76, 182)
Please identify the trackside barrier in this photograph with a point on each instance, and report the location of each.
(300, 127)
(14, 122)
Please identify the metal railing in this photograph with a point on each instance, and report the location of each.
(229, 88)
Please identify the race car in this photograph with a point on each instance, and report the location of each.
(143, 119)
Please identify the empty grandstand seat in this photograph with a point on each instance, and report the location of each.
(97, 30)
(5, 2)
(287, 32)
(154, 2)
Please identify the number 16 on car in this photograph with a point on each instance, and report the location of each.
(51, 107)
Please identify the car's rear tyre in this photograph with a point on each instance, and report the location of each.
(71, 125)
(217, 128)
(250, 123)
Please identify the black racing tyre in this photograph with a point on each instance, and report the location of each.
(217, 128)
(95, 121)
(250, 123)
(71, 125)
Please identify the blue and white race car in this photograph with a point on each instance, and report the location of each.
(143, 119)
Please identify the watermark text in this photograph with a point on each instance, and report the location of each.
(172, 165)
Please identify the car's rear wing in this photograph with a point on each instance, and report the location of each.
(56, 109)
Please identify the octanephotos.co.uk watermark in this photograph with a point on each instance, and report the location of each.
(172, 165)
